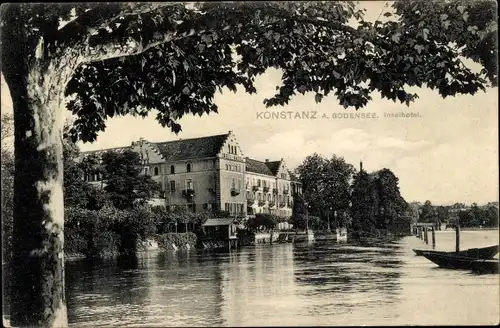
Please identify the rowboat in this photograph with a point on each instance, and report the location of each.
(485, 266)
(477, 253)
(463, 263)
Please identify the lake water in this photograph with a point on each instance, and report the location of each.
(285, 284)
(324, 283)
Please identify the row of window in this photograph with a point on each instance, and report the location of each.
(234, 168)
(269, 197)
(189, 167)
(234, 208)
(232, 149)
(191, 206)
(264, 183)
(188, 184)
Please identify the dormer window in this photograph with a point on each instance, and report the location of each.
(188, 167)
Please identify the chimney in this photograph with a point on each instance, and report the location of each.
(361, 166)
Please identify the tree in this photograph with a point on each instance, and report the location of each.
(337, 177)
(391, 203)
(77, 191)
(326, 184)
(428, 212)
(311, 173)
(125, 183)
(299, 212)
(7, 186)
(364, 202)
(491, 216)
(443, 214)
(127, 58)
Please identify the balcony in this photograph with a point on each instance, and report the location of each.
(275, 191)
(262, 203)
(266, 189)
(255, 188)
(272, 204)
(282, 204)
(250, 202)
(188, 193)
(235, 192)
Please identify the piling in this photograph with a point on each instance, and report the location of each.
(457, 238)
(433, 238)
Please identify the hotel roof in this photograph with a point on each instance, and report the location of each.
(191, 148)
(255, 166)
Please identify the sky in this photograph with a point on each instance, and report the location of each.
(446, 153)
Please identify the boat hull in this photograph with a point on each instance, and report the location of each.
(480, 266)
(477, 253)
(450, 261)
(485, 266)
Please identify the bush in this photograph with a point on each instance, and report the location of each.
(88, 232)
(180, 240)
(245, 237)
(262, 221)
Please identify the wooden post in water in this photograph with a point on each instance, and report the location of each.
(457, 238)
(433, 238)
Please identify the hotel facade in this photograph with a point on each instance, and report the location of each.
(212, 172)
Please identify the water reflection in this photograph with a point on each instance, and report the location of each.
(281, 285)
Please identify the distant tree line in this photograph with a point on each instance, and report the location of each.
(467, 216)
(333, 190)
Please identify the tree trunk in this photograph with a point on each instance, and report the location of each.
(37, 297)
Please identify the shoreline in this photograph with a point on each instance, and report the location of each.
(472, 229)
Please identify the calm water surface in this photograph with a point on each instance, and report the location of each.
(285, 284)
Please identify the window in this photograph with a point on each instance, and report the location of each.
(204, 165)
(239, 184)
(172, 169)
(172, 186)
(189, 184)
(229, 149)
(258, 183)
(233, 184)
(146, 170)
(188, 167)
(268, 197)
(157, 171)
(235, 150)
